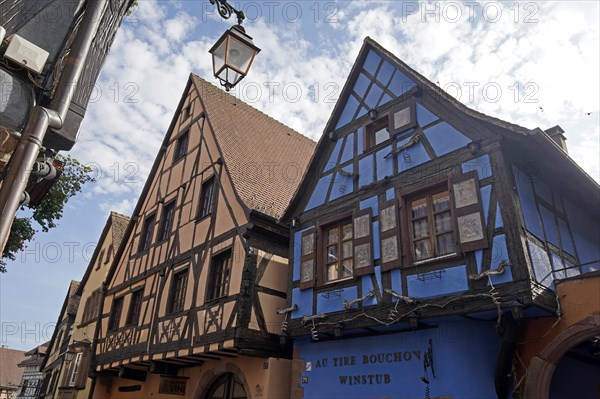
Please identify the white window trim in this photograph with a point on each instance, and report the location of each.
(77, 362)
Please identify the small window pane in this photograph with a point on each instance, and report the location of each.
(443, 222)
(347, 249)
(423, 250)
(347, 267)
(382, 135)
(347, 231)
(332, 254)
(332, 272)
(181, 146)
(333, 236)
(441, 201)
(420, 228)
(445, 243)
(206, 198)
(419, 208)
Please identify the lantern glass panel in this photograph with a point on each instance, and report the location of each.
(219, 56)
(239, 55)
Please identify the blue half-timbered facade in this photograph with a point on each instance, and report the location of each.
(422, 233)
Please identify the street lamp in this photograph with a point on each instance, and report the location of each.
(234, 52)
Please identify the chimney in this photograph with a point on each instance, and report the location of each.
(556, 133)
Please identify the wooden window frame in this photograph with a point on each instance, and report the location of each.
(135, 308)
(91, 308)
(374, 126)
(147, 233)
(339, 225)
(308, 259)
(406, 197)
(114, 320)
(167, 219)
(75, 369)
(182, 143)
(205, 211)
(221, 266)
(178, 291)
(387, 119)
(186, 112)
(390, 232)
(321, 248)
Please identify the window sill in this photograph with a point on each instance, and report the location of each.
(437, 258)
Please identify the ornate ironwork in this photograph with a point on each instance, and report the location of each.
(225, 10)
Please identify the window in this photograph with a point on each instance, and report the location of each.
(444, 220)
(338, 249)
(378, 132)
(147, 233)
(400, 118)
(166, 221)
(115, 314)
(178, 288)
(24, 387)
(186, 112)
(181, 146)
(76, 364)
(205, 206)
(227, 387)
(220, 272)
(135, 307)
(431, 226)
(339, 259)
(91, 307)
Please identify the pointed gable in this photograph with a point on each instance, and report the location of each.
(376, 82)
(265, 158)
(423, 122)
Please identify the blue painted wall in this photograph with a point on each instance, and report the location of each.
(447, 281)
(392, 365)
(564, 230)
(378, 73)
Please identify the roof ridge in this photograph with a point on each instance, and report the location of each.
(119, 215)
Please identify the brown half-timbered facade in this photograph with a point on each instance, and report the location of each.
(191, 304)
(73, 381)
(54, 364)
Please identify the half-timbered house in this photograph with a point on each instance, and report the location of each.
(424, 234)
(73, 380)
(191, 306)
(54, 363)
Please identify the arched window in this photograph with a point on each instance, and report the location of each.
(227, 387)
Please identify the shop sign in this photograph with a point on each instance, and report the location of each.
(172, 385)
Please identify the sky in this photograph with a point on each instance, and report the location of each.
(535, 64)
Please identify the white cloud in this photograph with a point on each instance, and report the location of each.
(299, 74)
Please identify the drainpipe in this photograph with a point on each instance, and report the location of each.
(41, 118)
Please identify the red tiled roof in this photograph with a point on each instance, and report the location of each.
(72, 299)
(10, 373)
(265, 158)
(119, 225)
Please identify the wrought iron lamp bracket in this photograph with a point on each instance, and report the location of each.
(225, 10)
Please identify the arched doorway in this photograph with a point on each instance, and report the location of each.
(227, 386)
(542, 367)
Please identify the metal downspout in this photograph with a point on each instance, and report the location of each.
(30, 143)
